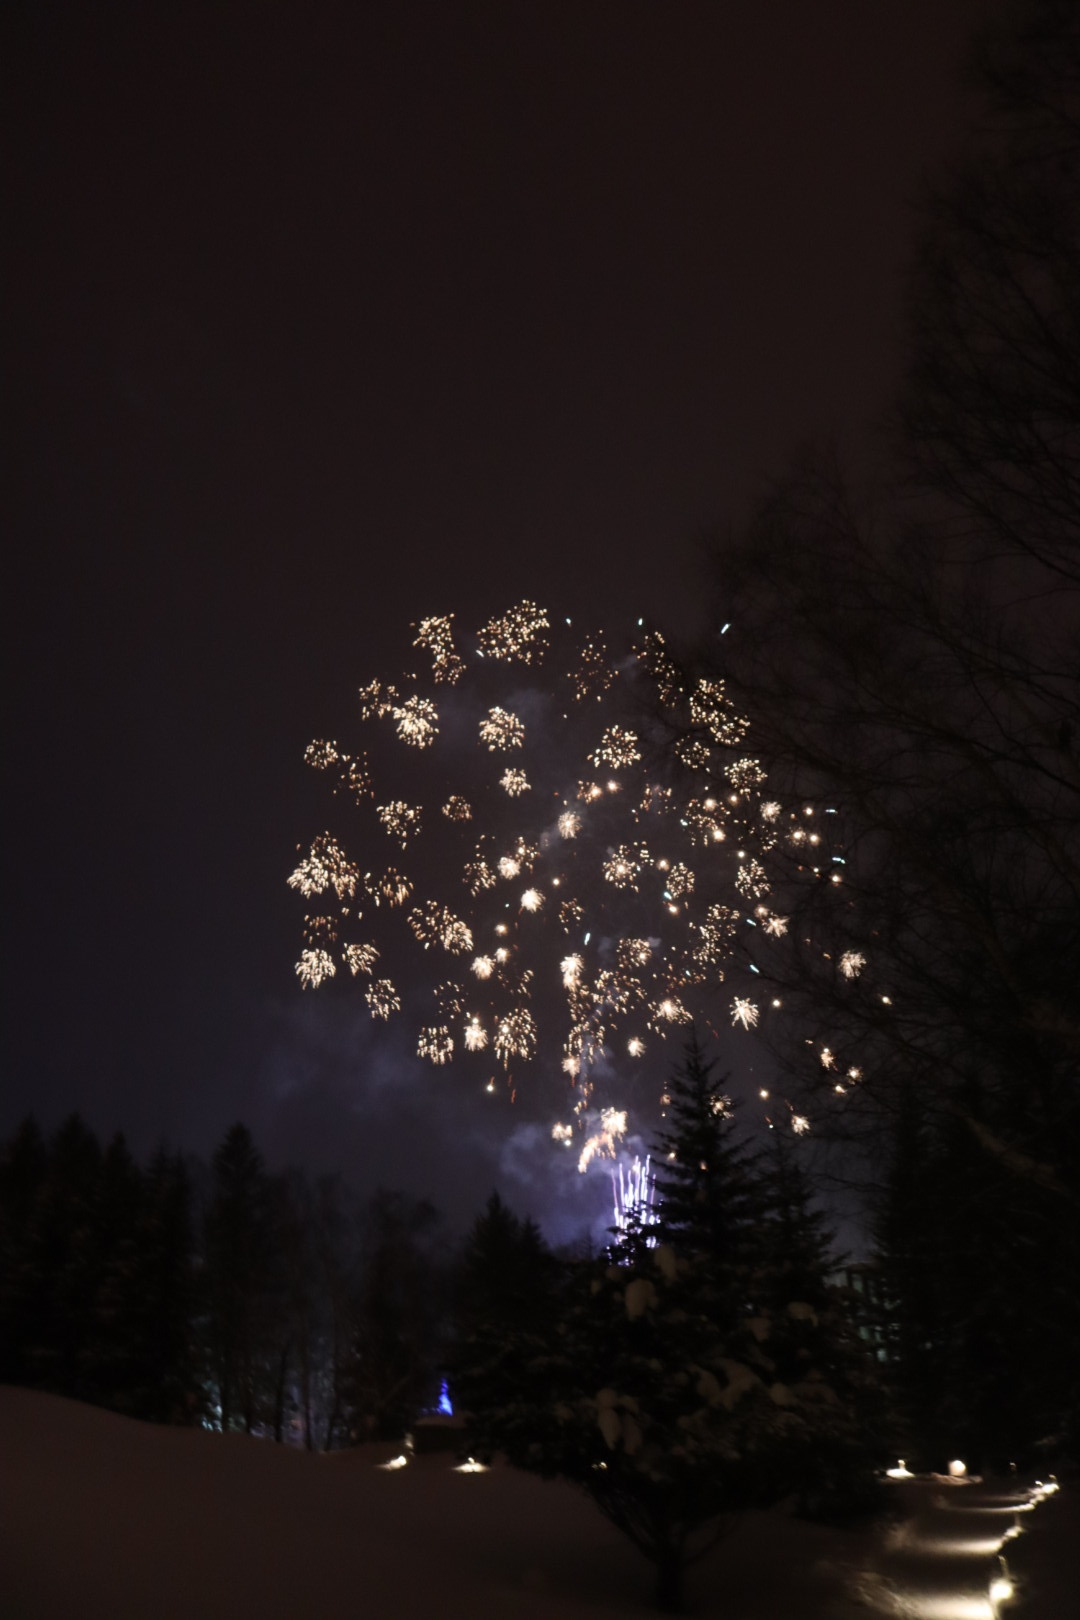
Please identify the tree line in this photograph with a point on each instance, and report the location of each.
(908, 655)
(706, 1359)
(222, 1295)
(715, 1354)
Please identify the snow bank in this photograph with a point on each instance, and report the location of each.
(109, 1519)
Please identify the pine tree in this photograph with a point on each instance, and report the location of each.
(238, 1281)
(795, 1242)
(706, 1198)
(399, 1317)
(813, 1342)
(655, 1380)
(506, 1295)
(63, 1270)
(505, 1272)
(166, 1388)
(109, 1352)
(23, 1168)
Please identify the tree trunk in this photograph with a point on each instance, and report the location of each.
(279, 1396)
(669, 1581)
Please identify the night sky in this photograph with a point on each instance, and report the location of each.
(323, 318)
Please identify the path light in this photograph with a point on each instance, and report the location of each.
(470, 1466)
(957, 1469)
(1001, 1589)
(901, 1471)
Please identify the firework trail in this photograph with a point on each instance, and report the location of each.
(632, 1192)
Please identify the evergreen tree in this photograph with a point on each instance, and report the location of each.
(62, 1272)
(167, 1388)
(238, 1282)
(506, 1295)
(707, 1202)
(399, 1317)
(23, 1169)
(656, 1381)
(813, 1340)
(795, 1241)
(109, 1353)
(505, 1272)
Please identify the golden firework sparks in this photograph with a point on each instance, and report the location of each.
(751, 879)
(500, 730)
(314, 967)
(514, 782)
(618, 748)
(326, 866)
(745, 774)
(475, 1038)
(401, 820)
(643, 934)
(320, 931)
(321, 755)
(377, 700)
(602, 1143)
(390, 886)
(478, 874)
(515, 1036)
(435, 1043)
(571, 914)
(417, 722)
(679, 881)
(594, 672)
(634, 953)
(519, 635)
(694, 752)
(382, 998)
(360, 958)
(436, 636)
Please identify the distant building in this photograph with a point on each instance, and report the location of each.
(868, 1304)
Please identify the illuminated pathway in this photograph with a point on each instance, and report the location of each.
(958, 1552)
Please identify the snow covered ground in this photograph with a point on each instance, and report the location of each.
(108, 1519)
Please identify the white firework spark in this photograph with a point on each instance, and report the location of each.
(744, 1012)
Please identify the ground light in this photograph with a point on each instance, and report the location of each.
(1001, 1589)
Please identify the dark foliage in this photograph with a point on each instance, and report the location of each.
(281, 1309)
(676, 1380)
(96, 1292)
(912, 665)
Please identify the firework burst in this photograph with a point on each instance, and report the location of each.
(601, 886)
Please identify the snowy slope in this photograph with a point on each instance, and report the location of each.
(108, 1519)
